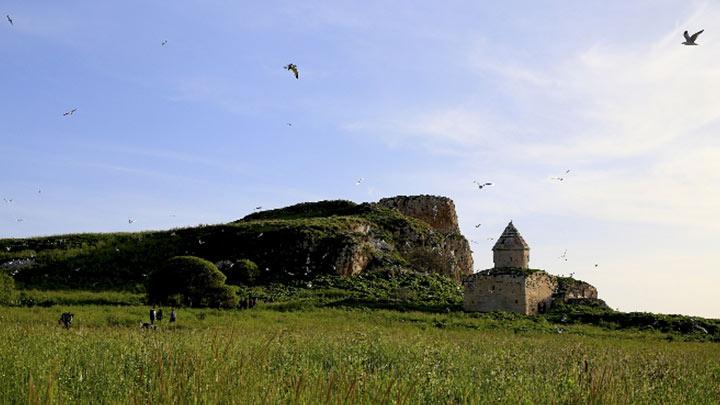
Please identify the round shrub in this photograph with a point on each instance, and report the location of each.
(192, 281)
(242, 272)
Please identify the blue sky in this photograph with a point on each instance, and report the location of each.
(415, 97)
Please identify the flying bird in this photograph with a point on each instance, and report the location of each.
(130, 220)
(360, 180)
(481, 185)
(10, 20)
(289, 124)
(558, 178)
(71, 112)
(164, 43)
(477, 226)
(564, 255)
(8, 200)
(293, 68)
(690, 39)
(20, 220)
(258, 208)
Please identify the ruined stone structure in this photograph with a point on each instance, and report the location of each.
(511, 250)
(512, 286)
(507, 289)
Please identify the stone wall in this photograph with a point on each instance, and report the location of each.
(570, 289)
(439, 212)
(495, 292)
(519, 258)
(539, 290)
(527, 292)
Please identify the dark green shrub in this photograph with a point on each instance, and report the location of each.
(7, 289)
(241, 272)
(191, 280)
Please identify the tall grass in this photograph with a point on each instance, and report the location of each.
(340, 356)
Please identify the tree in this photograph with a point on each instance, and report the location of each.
(190, 280)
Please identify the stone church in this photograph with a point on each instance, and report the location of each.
(512, 286)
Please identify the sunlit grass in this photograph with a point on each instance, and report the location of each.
(340, 356)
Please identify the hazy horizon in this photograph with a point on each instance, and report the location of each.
(413, 97)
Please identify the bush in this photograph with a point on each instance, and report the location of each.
(242, 272)
(190, 281)
(7, 289)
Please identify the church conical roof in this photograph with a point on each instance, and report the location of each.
(510, 239)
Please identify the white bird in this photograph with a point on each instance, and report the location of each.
(564, 255)
(558, 178)
(200, 242)
(690, 39)
(130, 220)
(481, 185)
(71, 112)
(8, 200)
(9, 19)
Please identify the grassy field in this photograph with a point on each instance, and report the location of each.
(326, 355)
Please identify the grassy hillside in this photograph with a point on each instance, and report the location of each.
(342, 356)
(294, 243)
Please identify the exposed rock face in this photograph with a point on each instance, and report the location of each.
(452, 255)
(438, 212)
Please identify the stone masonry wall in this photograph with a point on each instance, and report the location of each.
(539, 290)
(487, 293)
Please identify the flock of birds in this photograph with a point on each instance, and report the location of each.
(690, 40)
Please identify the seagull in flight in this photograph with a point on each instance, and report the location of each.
(8, 200)
(71, 112)
(10, 20)
(477, 226)
(481, 185)
(258, 208)
(690, 39)
(293, 68)
(130, 221)
(360, 180)
(20, 219)
(564, 255)
(164, 42)
(558, 178)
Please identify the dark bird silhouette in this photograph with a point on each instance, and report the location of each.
(481, 185)
(10, 20)
(163, 43)
(258, 208)
(690, 39)
(71, 112)
(130, 221)
(478, 225)
(293, 68)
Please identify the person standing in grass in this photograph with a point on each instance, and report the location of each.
(159, 314)
(172, 315)
(152, 315)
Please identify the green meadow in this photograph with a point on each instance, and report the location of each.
(270, 354)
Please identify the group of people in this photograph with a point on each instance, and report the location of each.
(157, 315)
